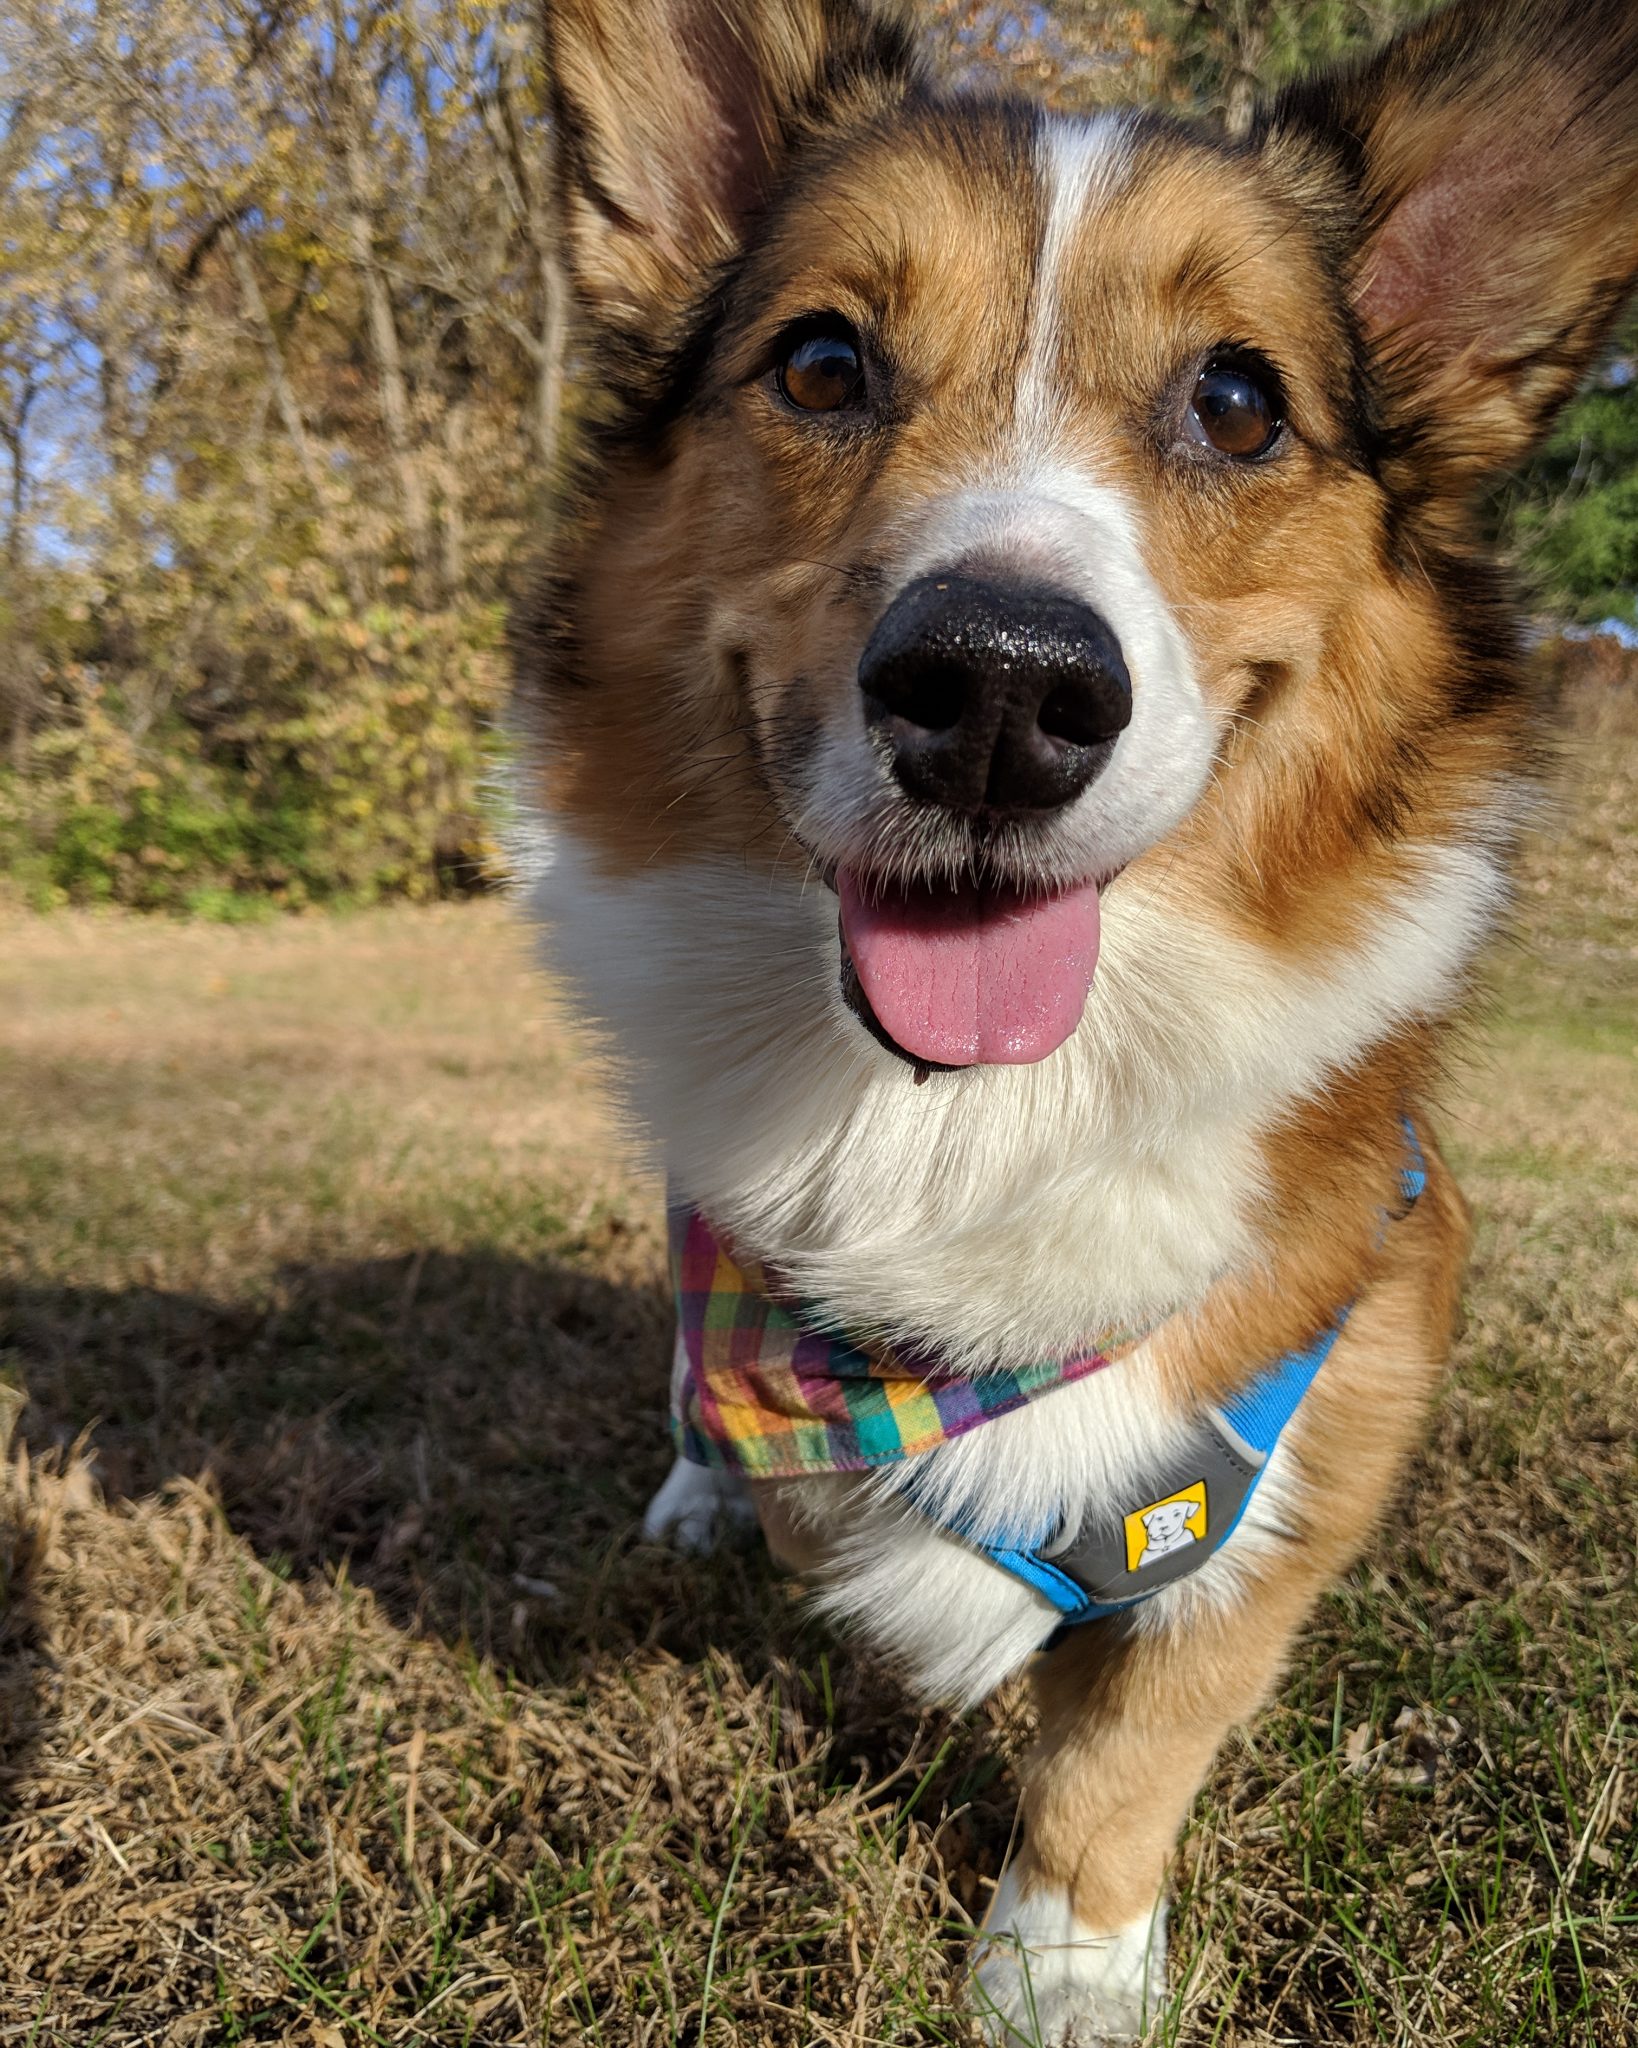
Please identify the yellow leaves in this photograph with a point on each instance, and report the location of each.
(230, 497)
(373, 757)
(477, 15)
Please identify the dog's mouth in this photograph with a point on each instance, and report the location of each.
(967, 975)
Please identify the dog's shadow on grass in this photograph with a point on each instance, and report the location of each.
(471, 1436)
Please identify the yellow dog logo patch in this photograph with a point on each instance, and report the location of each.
(1166, 1526)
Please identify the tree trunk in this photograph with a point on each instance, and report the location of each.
(530, 176)
(453, 521)
(19, 660)
(554, 338)
(112, 329)
(1241, 102)
(348, 118)
(392, 386)
(13, 433)
(254, 305)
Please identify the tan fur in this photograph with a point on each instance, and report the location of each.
(1430, 251)
(1129, 1724)
(785, 589)
(673, 115)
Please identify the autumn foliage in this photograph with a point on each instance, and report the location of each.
(283, 359)
(280, 361)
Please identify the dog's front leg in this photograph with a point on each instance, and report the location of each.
(1073, 1949)
(698, 1508)
(1133, 1711)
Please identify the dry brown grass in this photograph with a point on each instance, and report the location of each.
(340, 1704)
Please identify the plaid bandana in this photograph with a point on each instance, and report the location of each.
(763, 1389)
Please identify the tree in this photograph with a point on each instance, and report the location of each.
(282, 366)
(1225, 54)
(1214, 56)
(1576, 512)
(1077, 55)
(280, 356)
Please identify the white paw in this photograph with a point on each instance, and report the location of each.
(697, 1509)
(1042, 1980)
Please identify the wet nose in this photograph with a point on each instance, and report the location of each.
(994, 696)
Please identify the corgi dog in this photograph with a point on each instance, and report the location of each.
(1031, 729)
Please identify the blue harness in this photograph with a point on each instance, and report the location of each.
(1114, 1560)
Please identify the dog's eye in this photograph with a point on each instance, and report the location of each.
(1235, 410)
(823, 373)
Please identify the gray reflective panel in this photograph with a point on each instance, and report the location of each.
(1127, 1549)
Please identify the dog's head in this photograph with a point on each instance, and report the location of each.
(984, 511)
(1168, 1520)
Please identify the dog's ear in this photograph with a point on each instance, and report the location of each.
(674, 118)
(1487, 166)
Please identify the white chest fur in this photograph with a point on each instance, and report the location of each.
(1004, 1213)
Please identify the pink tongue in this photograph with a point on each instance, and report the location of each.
(963, 977)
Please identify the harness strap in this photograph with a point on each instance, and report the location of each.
(1193, 1504)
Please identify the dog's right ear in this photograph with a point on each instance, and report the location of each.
(674, 118)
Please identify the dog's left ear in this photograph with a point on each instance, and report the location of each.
(1487, 168)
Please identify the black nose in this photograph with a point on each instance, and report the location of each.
(994, 696)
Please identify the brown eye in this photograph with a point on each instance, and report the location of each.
(1235, 410)
(823, 373)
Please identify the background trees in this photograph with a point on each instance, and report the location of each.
(1205, 55)
(281, 368)
(1577, 515)
(279, 348)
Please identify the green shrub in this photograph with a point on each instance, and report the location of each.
(1576, 514)
(350, 771)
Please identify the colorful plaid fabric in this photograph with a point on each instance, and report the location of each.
(763, 1389)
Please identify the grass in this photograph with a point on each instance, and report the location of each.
(340, 1704)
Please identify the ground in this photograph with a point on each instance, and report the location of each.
(341, 1703)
